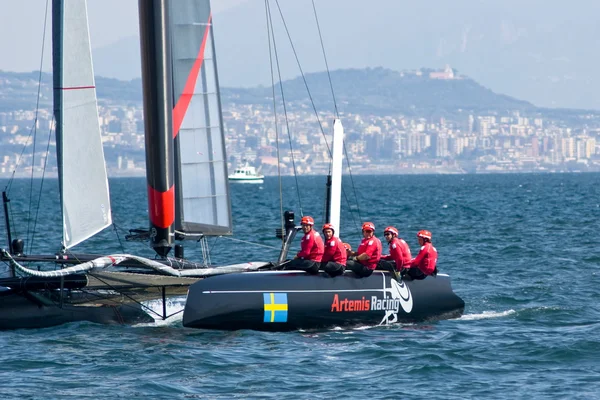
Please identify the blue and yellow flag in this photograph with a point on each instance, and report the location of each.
(276, 307)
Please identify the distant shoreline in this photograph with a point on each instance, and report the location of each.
(369, 173)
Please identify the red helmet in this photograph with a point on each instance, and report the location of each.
(391, 230)
(368, 226)
(307, 220)
(328, 226)
(424, 234)
(347, 246)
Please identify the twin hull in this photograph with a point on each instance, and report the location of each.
(33, 310)
(290, 300)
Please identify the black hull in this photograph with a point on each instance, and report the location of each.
(31, 310)
(103, 297)
(291, 300)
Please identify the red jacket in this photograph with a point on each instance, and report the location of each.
(371, 246)
(426, 259)
(334, 251)
(311, 247)
(400, 253)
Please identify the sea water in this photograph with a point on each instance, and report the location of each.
(522, 251)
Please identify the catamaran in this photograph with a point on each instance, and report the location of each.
(188, 198)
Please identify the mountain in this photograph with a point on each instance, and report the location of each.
(376, 91)
(18, 90)
(381, 91)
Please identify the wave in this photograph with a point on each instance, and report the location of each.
(486, 315)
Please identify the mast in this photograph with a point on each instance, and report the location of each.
(5, 201)
(158, 106)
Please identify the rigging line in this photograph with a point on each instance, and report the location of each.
(275, 116)
(305, 83)
(352, 184)
(287, 122)
(122, 293)
(337, 114)
(215, 242)
(252, 243)
(334, 100)
(12, 177)
(37, 211)
(12, 222)
(118, 237)
(35, 119)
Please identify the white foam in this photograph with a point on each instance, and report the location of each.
(175, 307)
(486, 315)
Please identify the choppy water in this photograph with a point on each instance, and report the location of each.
(522, 251)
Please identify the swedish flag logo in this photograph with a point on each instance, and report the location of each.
(276, 307)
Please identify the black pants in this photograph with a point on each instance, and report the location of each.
(359, 270)
(312, 267)
(386, 265)
(414, 273)
(333, 268)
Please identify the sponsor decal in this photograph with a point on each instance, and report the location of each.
(275, 307)
(394, 298)
(350, 305)
(400, 294)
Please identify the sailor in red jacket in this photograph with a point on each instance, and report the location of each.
(366, 257)
(334, 257)
(399, 256)
(423, 264)
(311, 249)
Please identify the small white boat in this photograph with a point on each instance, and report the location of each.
(246, 174)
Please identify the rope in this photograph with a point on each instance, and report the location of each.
(118, 237)
(37, 211)
(275, 116)
(305, 83)
(122, 293)
(270, 22)
(325, 59)
(353, 189)
(314, 107)
(252, 243)
(285, 110)
(33, 130)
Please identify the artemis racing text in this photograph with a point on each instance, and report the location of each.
(374, 304)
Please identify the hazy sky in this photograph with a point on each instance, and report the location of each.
(22, 22)
(542, 51)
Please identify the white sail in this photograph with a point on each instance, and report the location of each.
(201, 186)
(336, 175)
(82, 169)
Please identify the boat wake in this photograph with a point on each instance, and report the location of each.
(486, 315)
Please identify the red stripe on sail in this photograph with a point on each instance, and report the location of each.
(76, 87)
(188, 91)
(161, 207)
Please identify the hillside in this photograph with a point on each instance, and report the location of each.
(381, 91)
(376, 91)
(18, 90)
